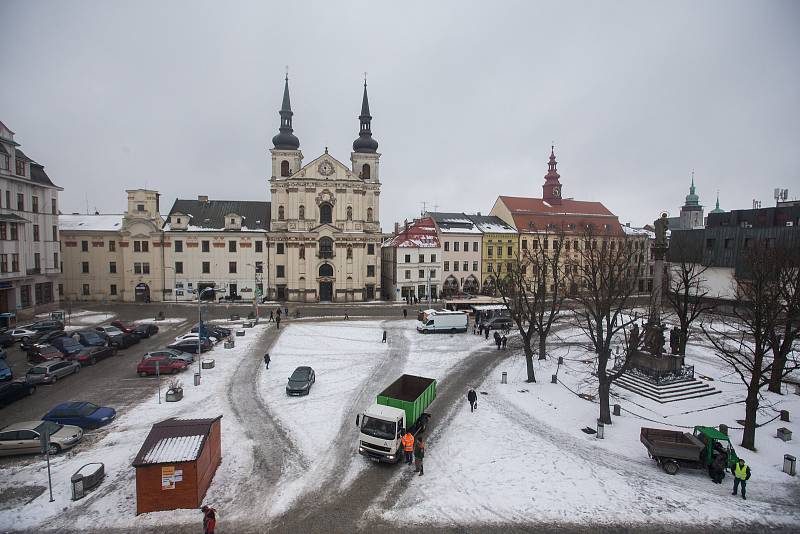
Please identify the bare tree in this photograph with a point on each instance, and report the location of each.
(786, 330)
(687, 295)
(533, 290)
(746, 339)
(605, 280)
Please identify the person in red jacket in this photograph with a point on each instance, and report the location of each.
(209, 519)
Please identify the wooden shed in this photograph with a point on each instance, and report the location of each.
(176, 464)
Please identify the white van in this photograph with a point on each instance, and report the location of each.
(441, 321)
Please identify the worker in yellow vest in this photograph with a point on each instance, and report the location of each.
(408, 447)
(741, 474)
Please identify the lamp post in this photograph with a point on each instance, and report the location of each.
(200, 329)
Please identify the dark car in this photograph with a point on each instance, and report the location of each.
(498, 323)
(44, 337)
(6, 339)
(146, 330)
(5, 371)
(91, 355)
(190, 345)
(92, 338)
(164, 365)
(44, 353)
(3, 354)
(82, 414)
(128, 328)
(14, 391)
(218, 332)
(43, 326)
(66, 345)
(300, 382)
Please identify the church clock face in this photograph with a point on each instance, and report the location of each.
(325, 168)
(557, 191)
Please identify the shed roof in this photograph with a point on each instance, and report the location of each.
(174, 440)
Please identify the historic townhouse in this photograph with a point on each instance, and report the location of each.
(461, 252)
(412, 261)
(29, 249)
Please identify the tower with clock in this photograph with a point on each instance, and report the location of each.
(551, 190)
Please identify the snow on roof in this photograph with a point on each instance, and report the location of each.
(96, 223)
(638, 232)
(420, 234)
(177, 449)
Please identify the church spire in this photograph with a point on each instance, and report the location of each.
(365, 142)
(552, 186)
(692, 199)
(286, 140)
(717, 209)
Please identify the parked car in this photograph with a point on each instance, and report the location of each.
(91, 355)
(219, 331)
(44, 337)
(44, 353)
(146, 330)
(128, 328)
(166, 365)
(190, 345)
(212, 337)
(22, 334)
(171, 353)
(23, 438)
(498, 323)
(6, 339)
(117, 337)
(82, 414)
(5, 371)
(11, 391)
(92, 338)
(301, 381)
(49, 324)
(66, 345)
(3, 354)
(50, 372)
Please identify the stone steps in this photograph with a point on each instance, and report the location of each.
(677, 391)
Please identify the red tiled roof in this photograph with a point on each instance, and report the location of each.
(420, 234)
(536, 214)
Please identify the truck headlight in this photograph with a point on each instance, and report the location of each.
(361, 449)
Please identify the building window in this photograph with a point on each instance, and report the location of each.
(446, 266)
(421, 258)
(455, 266)
(141, 246)
(5, 162)
(280, 248)
(349, 252)
(112, 267)
(369, 214)
(466, 266)
(466, 246)
(8, 199)
(474, 246)
(231, 267)
(178, 267)
(365, 172)
(15, 263)
(3, 231)
(455, 246)
(408, 275)
(710, 243)
(178, 246)
(447, 246)
(140, 208)
(259, 267)
(433, 273)
(85, 290)
(371, 249)
(499, 251)
(84, 246)
(490, 251)
(36, 232)
(37, 262)
(259, 246)
(284, 168)
(488, 267)
(55, 260)
(205, 246)
(422, 273)
(280, 213)
(280, 271)
(349, 213)
(35, 204)
(325, 214)
(85, 267)
(408, 258)
(55, 233)
(137, 268)
(231, 246)
(14, 231)
(301, 212)
(112, 246)
(433, 258)
(474, 265)
(53, 207)
(20, 167)
(302, 252)
(370, 270)
(145, 268)
(524, 244)
(511, 249)
(206, 267)
(326, 247)
(113, 290)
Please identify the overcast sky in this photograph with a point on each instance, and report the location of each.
(182, 97)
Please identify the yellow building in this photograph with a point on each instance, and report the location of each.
(499, 250)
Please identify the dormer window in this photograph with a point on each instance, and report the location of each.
(20, 167)
(178, 220)
(5, 161)
(233, 222)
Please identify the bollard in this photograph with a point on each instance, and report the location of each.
(784, 434)
(554, 379)
(197, 379)
(504, 378)
(600, 429)
(560, 360)
(723, 429)
(617, 410)
(785, 415)
(789, 464)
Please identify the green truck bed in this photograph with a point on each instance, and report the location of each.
(410, 393)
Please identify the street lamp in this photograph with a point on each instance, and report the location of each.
(200, 329)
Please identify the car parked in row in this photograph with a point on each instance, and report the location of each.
(91, 338)
(163, 365)
(82, 414)
(5, 372)
(46, 325)
(128, 328)
(171, 353)
(3, 354)
(301, 381)
(6, 339)
(190, 345)
(146, 330)
(218, 332)
(50, 372)
(44, 353)
(117, 337)
(42, 338)
(24, 438)
(22, 334)
(11, 391)
(66, 345)
(91, 355)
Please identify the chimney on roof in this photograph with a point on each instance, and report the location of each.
(479, 214)
(628, 224)
(202, 198)
(396, 228)
(405, 225)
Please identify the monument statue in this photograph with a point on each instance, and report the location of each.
(661, 231)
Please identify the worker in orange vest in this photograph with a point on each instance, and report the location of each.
(408, 447)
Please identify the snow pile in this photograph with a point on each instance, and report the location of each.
(177, 449)
(166, 320)
(89, 319)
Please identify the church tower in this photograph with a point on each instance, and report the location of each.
(551, 190)
(365, 157)
(286, 156)
(691, 212)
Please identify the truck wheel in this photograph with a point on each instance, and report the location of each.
(670, 467)
(452, 330)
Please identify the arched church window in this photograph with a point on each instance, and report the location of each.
(326, 247)
(280, 213)
(369, 214)
(302, 212)
(326, 269)
(349, 213)
(284, 168)
(302, 252)
(349, 252)
(325, 213)
(365, 172)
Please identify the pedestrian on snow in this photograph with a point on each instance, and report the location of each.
(209, 519)
(405, 313)
(278, 322)
(408, 446)
(271, 316)
(384, 337)
(286, 311)
(474, 329)
(472, 397)
(505, 342)
(419, 455)
(278, 313)
(486, 332)
(741, 474)
(266, 360)
(717, 468)
(346, 317)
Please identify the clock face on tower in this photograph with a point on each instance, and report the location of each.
(325, 168)
(557, 191)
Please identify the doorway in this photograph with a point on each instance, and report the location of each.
(326, 291)
(142, 292)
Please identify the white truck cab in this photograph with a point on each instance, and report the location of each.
(379, 433)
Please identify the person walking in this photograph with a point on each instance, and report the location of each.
(472, 397)
(408, 446)
(504, 339)
(419, 456)
(271, 316)
(486, 332)
(278, 322)
(209, 519)
(266, 360)
(405, 313)
(278, 313)
(346, 317)
(741, 474)
(384, 337)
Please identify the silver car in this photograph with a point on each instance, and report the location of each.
(50, 372)
(23, 438)
(171, 353)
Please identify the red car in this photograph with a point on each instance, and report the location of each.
(44, 353)
(166, 365)
(128, 328)
(91, 355)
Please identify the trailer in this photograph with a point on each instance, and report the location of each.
(399, 408)
(672, 449)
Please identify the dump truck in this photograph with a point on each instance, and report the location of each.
(398, 409)
(673, 449)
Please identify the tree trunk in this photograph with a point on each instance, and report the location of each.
(684, 339)
(604, 391)
(529, 360)
(778, 365)
(751, 410)
(542, 347)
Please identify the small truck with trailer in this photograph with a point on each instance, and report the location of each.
(398, 409)
(431, 321)
(673, 449)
